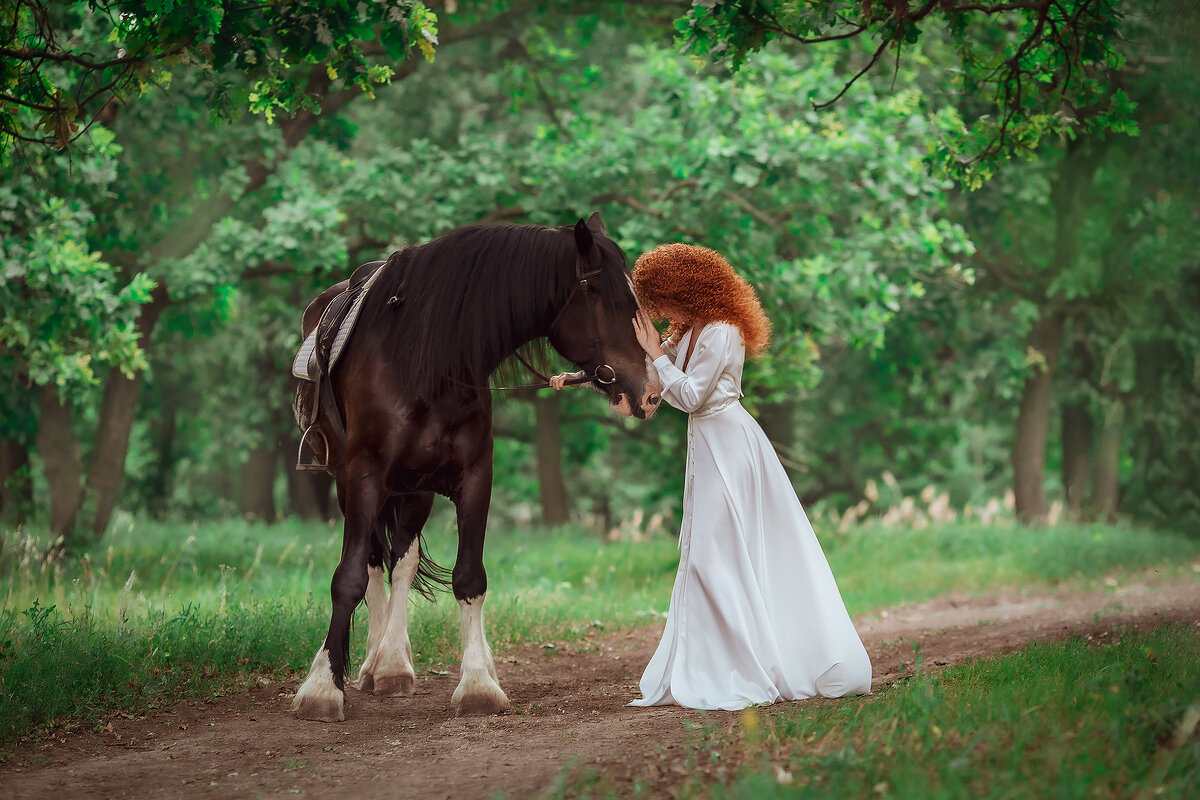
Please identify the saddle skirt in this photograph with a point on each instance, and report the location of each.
(318, 353)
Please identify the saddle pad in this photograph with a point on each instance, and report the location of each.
(304, 355)
(300, 365)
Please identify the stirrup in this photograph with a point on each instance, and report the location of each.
(315, 465)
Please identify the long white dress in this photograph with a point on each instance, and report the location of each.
(755, 614)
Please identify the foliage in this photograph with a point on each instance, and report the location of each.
(66, 63)
(67, 313)
(1025, 71)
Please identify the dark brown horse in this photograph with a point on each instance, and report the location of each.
(412, 390)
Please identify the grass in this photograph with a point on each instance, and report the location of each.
(877, 566)
(159, 611)
(1065, 720)
(1072, 719)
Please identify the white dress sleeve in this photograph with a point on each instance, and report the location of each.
(688, 391)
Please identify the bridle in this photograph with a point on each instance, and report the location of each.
(582, 285)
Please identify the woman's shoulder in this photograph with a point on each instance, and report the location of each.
(721, 332)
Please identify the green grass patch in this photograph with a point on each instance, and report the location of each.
(1065, 720)
(878, 567)
(161, 611)
(60, 671)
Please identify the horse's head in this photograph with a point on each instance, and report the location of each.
(594, 326)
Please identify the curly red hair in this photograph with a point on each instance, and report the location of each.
(700, 282)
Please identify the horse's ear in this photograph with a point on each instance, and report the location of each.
(595, 224)
(583, 238)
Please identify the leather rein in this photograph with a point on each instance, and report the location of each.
(582, 284)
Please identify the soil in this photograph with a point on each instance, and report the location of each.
(569, 709)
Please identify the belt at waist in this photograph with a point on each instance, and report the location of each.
(712, 411)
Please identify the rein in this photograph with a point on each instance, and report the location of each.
(581, 284)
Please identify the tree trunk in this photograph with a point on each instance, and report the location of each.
(1033, 423)
(1105, 489)
(63, 464)
(256, 496)
(163, 431)
(1077, 426)
(106, 470)
(551, 486)
(1068, 196)
(1076, 454)
(308, 492)
(15, 488)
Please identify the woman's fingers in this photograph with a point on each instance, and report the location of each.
(639, 330)
(559, 382)
(646, 334)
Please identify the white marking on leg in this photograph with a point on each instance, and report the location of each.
(377, 606)
(478, 689)
(318, 697)
(390, 664)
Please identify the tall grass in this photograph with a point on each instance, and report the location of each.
(160, 611)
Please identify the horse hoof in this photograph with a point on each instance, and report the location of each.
(481, 703)
(366, 682)
(393, 686)
(320, 709)
(481, 706)
(319, 697)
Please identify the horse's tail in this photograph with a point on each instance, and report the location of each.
(431, 577)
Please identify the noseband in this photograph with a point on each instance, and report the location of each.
(603, 374)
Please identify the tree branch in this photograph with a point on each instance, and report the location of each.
(752, 210)
(874, 60)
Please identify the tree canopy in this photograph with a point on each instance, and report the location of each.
(1025, 70)
(69, 65)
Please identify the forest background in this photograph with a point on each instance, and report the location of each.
(981, 260)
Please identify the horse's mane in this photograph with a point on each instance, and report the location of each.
(447, 312)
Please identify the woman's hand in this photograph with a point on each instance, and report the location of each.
(647, 335)
(558, 381)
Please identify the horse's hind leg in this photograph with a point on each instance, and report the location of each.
(322, 695)
(478, 691)
(388, 668)
(376, 600)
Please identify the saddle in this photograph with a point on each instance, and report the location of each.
(316, 359)
(325, 343)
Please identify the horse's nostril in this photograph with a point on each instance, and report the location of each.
(652, 399)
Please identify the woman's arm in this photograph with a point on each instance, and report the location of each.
(689, 390)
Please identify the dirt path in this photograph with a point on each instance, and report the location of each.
(569, 706)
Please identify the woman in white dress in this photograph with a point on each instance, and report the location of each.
(755, 614)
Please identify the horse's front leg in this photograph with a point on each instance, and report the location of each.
(478, 691)
(322, 696)
(388, 668)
